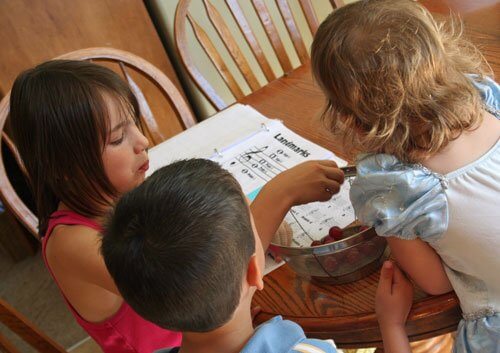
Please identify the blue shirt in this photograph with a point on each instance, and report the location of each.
(281, 336)
(284, 336)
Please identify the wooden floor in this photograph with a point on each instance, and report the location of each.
(86, 346)
(28, 287)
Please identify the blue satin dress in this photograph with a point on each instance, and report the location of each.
(458, 214)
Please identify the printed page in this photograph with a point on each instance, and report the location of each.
(274, 148)
(261, 156)
(312, 221)
(219, 131)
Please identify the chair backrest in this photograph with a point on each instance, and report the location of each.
(225, 32)
(138, 73)
(20, 325)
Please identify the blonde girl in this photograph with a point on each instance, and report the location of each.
(409, 99)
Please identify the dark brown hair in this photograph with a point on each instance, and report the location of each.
(60, 124)
(395, 78)
(178, 246)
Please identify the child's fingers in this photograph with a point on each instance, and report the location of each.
(386, 277)
(399, 276)
(327, 163)
(334, 174)
(332, 186)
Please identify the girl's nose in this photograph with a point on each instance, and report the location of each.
(141, 142)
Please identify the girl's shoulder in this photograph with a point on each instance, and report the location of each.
(386, 169)
(70, 218)
(67, 241)
(69, 236)
(409, 200)
(71, 250)
(71, 233)
(399, 199)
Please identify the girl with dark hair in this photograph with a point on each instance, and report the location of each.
(76, 126)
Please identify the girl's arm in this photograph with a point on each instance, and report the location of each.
(77, 255)
(393, 301)
(419, 260)
(307, 182)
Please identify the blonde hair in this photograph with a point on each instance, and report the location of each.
(395, 78)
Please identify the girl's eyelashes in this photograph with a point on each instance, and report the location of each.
(118, 141)
(123, 127)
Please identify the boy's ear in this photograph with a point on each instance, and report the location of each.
(254, 273)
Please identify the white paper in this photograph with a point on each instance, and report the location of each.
(270, 150)
(312, 221)
(255, 149)
(199, 141)
(259, 157)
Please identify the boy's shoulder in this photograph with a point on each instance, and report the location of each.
(283, 336)
(280, 336)
(310, 345)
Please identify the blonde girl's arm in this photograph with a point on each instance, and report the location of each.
(408, 206)
(307, 182)
(419, 260)
(75, 251)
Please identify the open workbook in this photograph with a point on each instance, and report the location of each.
(254, 149)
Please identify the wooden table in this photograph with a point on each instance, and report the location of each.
(346, 312)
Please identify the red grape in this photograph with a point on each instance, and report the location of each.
(335, 233)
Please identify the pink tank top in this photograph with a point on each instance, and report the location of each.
(125, 331)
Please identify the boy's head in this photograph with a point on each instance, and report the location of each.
(394, 78)
(179, 246)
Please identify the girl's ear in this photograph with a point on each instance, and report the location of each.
(254, 273)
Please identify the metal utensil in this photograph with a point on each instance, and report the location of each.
(349, 171)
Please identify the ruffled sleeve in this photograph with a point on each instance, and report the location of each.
(406, 201)
(490, 93)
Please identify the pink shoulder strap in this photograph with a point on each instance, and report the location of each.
(68, 217)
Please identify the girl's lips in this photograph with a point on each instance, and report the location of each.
(144, 167)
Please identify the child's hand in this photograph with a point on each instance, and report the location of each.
(393, 298)
(304, 183)
(309, 181)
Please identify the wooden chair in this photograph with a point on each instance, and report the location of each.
(225, 30)
(133, 69)
(20, 325)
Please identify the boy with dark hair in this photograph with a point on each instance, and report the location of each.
(185, 254)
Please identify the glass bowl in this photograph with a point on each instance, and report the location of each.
(358, 254)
